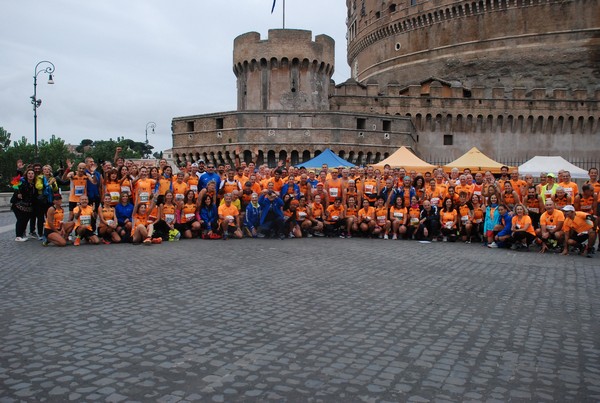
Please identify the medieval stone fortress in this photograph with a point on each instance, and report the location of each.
(515, 78)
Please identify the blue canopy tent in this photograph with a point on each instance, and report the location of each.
(326, 157)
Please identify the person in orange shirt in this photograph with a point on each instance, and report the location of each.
(523, 233)
(414, 213)
(112, 186)
(164, 182)
(143, 186)
(187, 216)
(382, 223)
(399, 219)
(180, 188)
(561, 198)
(229, 219)
(303, 217)
(518, 185)
(366, 218)
(593, 181)
(478, 215)
(82, 216)
(535, 206)
(452, 195)
(550, 232)
(316, 215)
(578, 228)
(465, 213)
(570, 187)
(141, 228)
(334, 218)
(448, 220)
(464, 186)
(334, 188)
(55, 230)
(107, 221)
(509, 196)
(351, 216)
(586, 201)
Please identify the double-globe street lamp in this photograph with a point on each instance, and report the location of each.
(49, 69)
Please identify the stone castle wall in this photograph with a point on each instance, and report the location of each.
(271, 136)
(288, 71)
(510, 43)
(504, 123)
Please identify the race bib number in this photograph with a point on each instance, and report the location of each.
(449, 224)
(381, 219)
(551, 227)
(435, 201)
(194, 188)
(190, 217)
(109, 223)
(534, 209)
(464, 218)
(414, 221)
(79, 190)
(85, 220)
(335, 217)
(169, 218)
(398, 215)
(179, 197)
(333, 192)
(301, 215)
(125, 189)
(114, 197)
(369, 188)
(144, 197)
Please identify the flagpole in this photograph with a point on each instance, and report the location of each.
(283, 14)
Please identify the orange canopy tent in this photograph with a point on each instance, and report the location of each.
(476, 161)
(405, 158)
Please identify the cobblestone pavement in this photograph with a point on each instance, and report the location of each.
(296, 320)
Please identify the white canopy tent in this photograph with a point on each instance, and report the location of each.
(553, 164)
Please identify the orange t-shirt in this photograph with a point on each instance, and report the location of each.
(334, 212)
(363, 213)
(114, 190)
(85, 216)
(552, 220)
(179, 190)
(398, 213)
(228, 211)
(520, 222)
(579, 223)
(448, 216)
(168, 213)
(59, 215)
(381, 215)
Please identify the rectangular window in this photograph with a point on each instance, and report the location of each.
(361, 123)
(386, 125)
(448, 139)
(190, 126)
(219, 123)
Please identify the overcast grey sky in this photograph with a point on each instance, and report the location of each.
(120, 64)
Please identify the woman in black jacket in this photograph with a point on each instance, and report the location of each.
(22, 203)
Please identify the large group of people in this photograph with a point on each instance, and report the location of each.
(125, 202)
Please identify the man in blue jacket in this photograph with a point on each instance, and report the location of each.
(209, 175)
(271, 217)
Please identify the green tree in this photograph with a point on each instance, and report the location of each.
(54, 152)
(4, 140)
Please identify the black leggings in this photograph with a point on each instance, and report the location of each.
(22, 219)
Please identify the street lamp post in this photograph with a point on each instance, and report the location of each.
(149, 125)
(49, 69)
